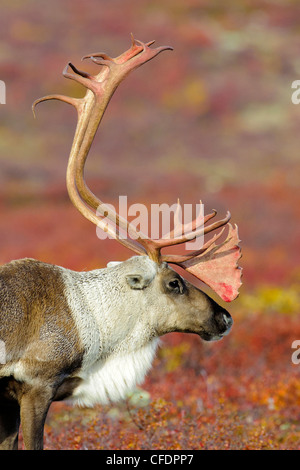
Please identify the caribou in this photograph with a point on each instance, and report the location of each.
(91, 336)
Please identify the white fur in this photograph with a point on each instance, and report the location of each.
(112, 325)
(112, 264)
(113, 379)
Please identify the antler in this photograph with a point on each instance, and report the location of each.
(90, 110)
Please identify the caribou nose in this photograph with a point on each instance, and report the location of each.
(224, 321)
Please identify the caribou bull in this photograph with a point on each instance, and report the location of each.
(92, 336)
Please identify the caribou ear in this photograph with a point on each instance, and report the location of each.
(138, 281)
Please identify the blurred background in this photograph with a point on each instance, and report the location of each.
(211, 120)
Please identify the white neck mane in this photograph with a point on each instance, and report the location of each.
(112, 379)
(114, 329)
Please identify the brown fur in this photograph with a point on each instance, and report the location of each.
(32, 303)
(203, 315)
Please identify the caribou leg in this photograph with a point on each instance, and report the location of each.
(9, 424)
(35, 404)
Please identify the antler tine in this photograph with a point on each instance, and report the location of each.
(97, 54)
(76, 102)
(190, 227)
(154, 247)
(197, 233)
(178, 259)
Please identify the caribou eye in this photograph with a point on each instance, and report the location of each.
(176, 286)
